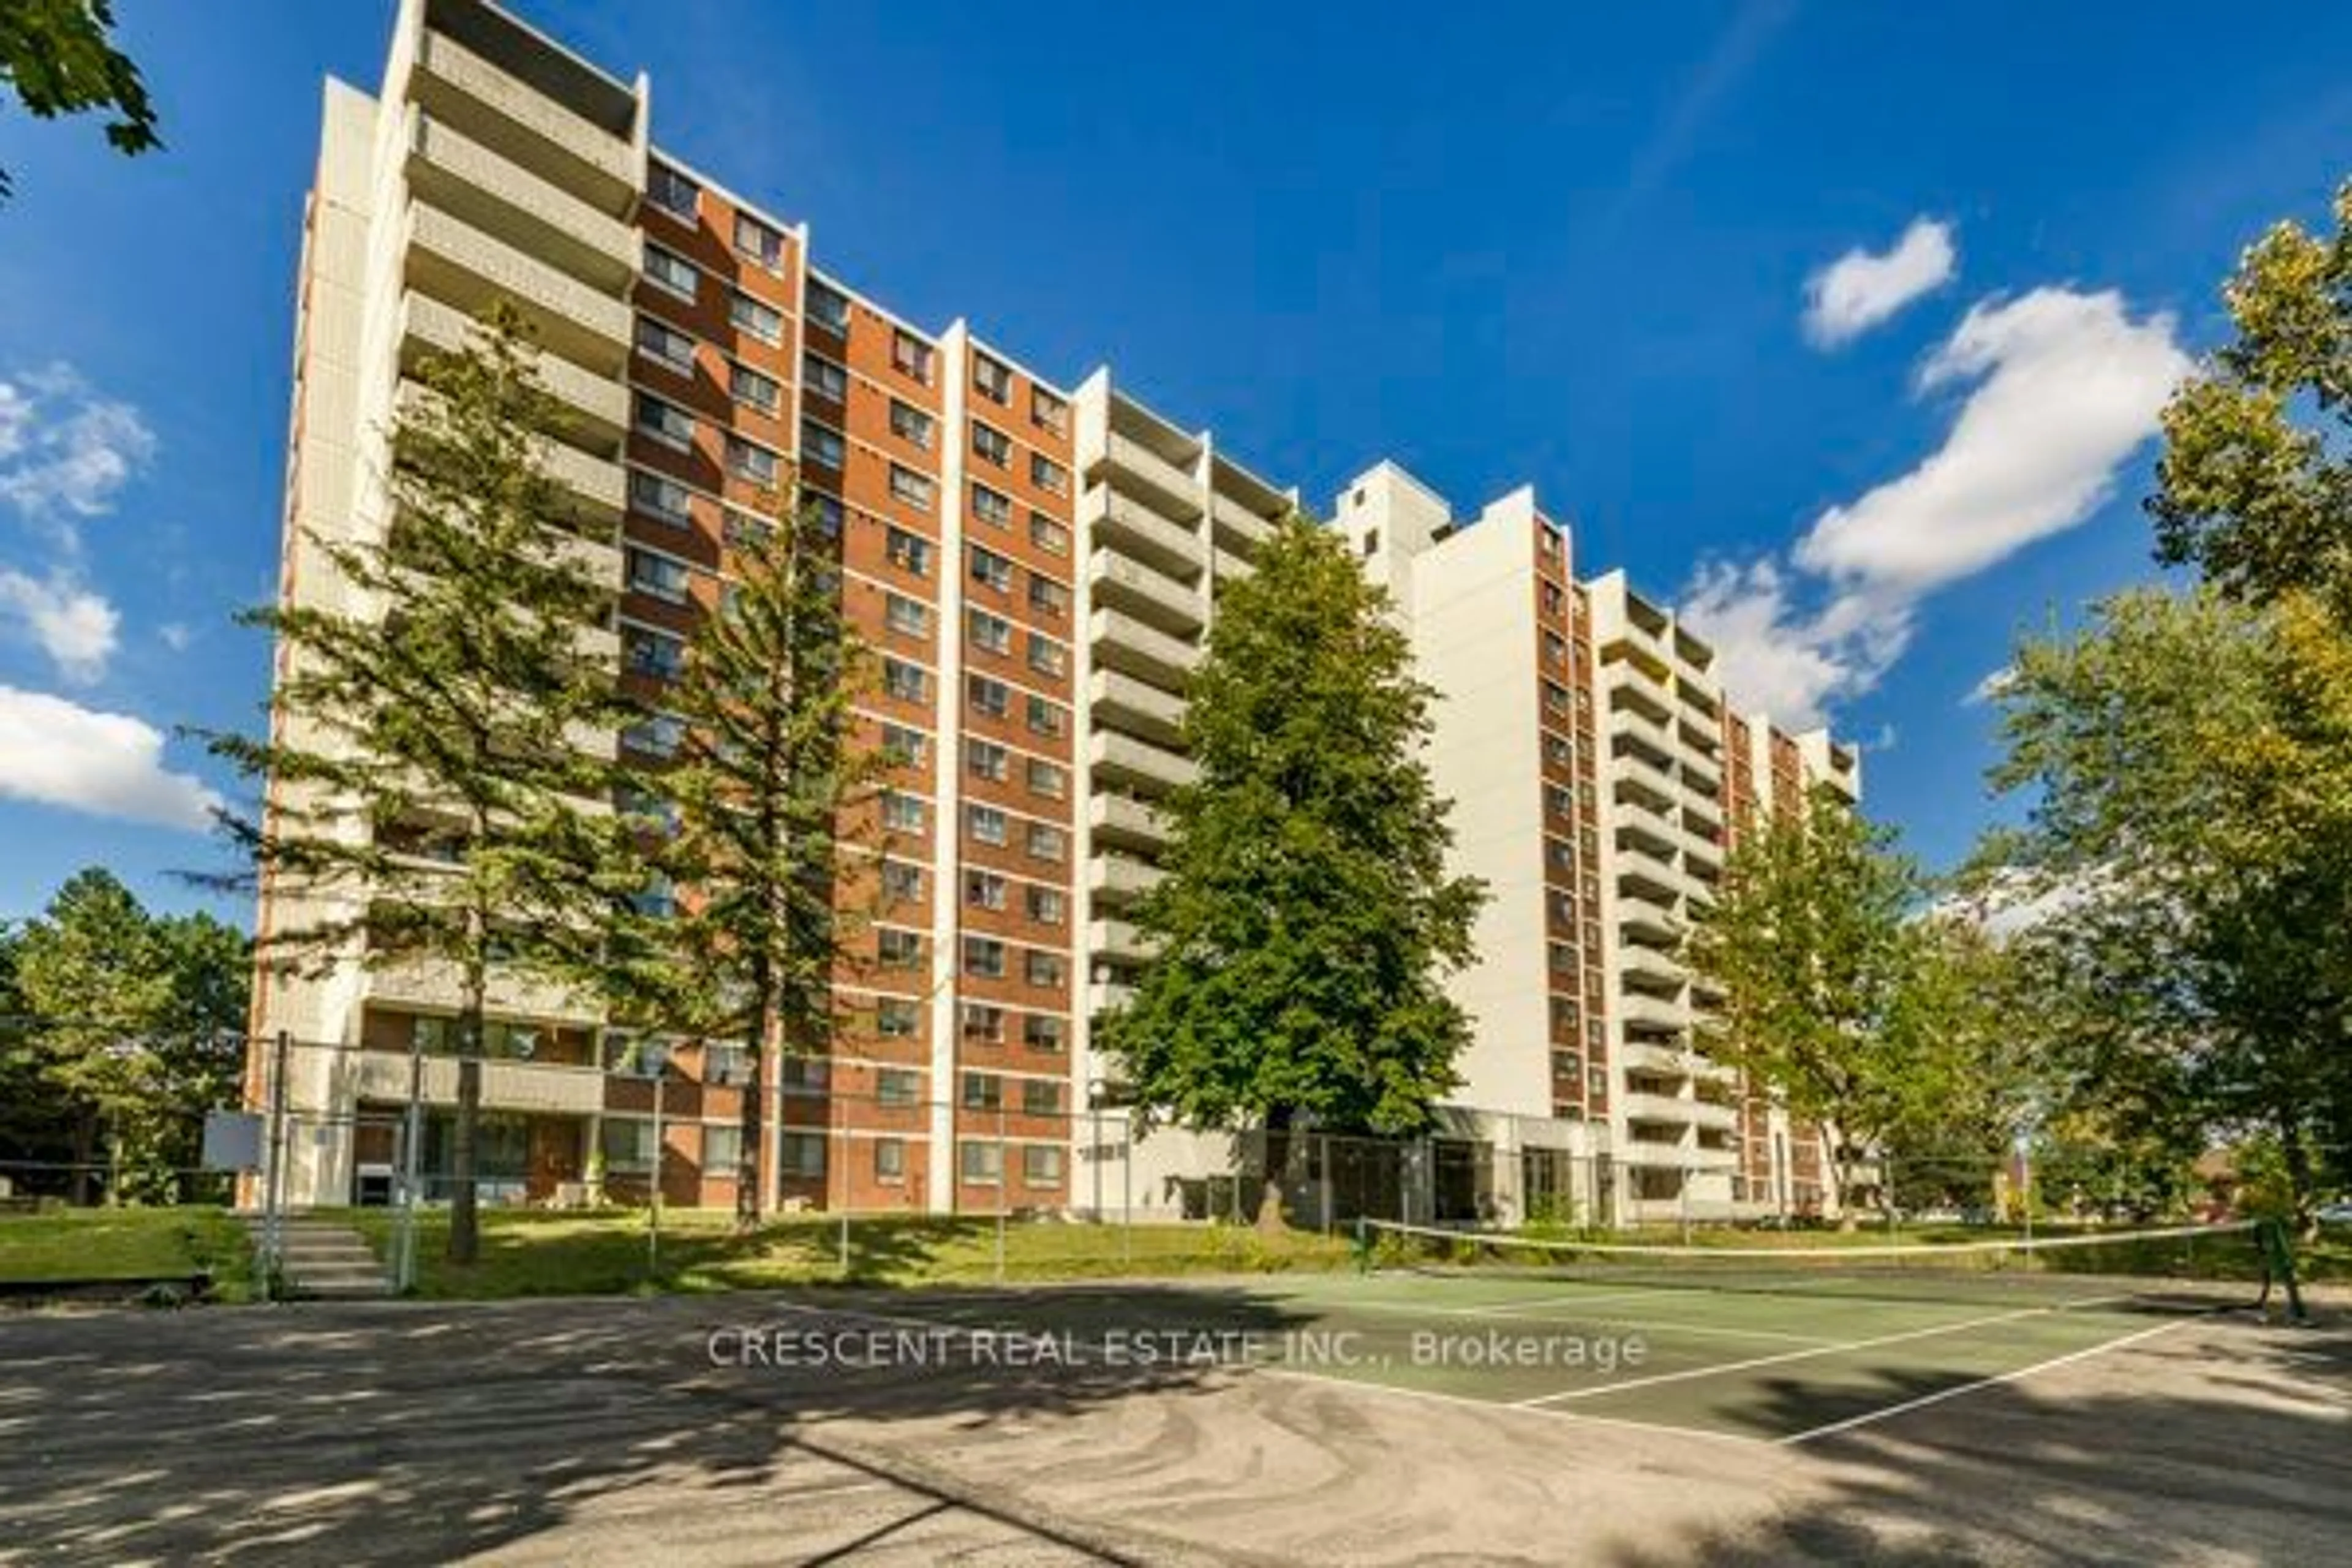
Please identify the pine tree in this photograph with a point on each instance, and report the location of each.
(433, 786)
(1307, 920)
(771, 793)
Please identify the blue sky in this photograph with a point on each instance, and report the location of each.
(1593, 248)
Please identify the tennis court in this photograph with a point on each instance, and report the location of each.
(1773, 1344)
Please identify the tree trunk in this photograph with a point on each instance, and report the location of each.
(85, 1146)
(465, 1204)
(748, 1173)
(2298, 1154)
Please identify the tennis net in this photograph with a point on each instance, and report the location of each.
(2192, 1266)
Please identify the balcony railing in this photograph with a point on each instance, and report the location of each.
(1119, 759)
(459, 86)
(1124, 583)
(503, 197)
(1123, 643)
(595, 409)
(461, 265)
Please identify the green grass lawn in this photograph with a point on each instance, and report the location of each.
(534, 1253)
(126, 1243)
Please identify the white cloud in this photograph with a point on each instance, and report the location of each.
(1860, 289)
(1994, 683)
(177, 635)
(110, 764)
(2063, 387)
(64, 450)
(74, 627)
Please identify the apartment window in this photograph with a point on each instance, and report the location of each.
(908, 552)
(896, 1086)
(803, 1155)
(989, 568)
(1040, 1097)
(1048, 657)
(990, 507)
(655, 735)
(986, 760)
(824, 378)
(1048, 597)
(981, 1022)
(1555, 648)
(1047, 843)
(992, 444)
(651, 653)
(1048, 970)
(808, 1073)
(754, 389)
(901, 813)
(670, 426)
(1046, 718)
(1048, 535)
(983, 957)
(820, 446)
(1041, 1164)
(824, 513)
(827, 307)
(983, 1092)
(1596, 1083)
(1559, 799)
(1047, 475)
(1554, 601)
(909, 617)
(627, 1144)
(755, 316)
(1047, 778)
(980, 1162)
(671, 190)
(911, 424)
(657, 497)
(1563, 957)
(986, 823)
(903, 747)
(750, 462)
(991, 633)
(1557, 750)
(989, 695)
(890, 1159)
(659, 577)
(983, 890)
(666, 344)
(1042, 1033)
(724, 1064)
(992, 377)
(907, 682)
(1047, 411)
(910, 356)
(910, 488)
(901, 883)
(896, 949)
(671, 272)
(1555, 697)
(759, 242)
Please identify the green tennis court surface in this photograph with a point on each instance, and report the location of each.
(1758, 1346)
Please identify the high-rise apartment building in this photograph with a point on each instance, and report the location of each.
(1037, 567)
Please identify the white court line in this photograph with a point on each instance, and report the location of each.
(1838, 1348)
(1526, 1312)
(1851, 1422)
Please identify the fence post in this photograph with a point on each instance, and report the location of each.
(1004, 1186)
(412, 1137)
(273, 1191)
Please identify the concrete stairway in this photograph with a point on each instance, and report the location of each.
(326, 1261)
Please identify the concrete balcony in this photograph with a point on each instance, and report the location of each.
(1705, 805)
(1702, 773)
(1127, 703)
(1102, 995)
(1120, 879)
(1231, 567)
(1122, 759)
(595, 491)
(1641, 1055)
(1632, 767)
(1651, 966)
(543, 1086)
(1647, 919)
(569, 150)
(1666, 1108)
(457, 263)
(1654, 1012)
(1124, 820)
(1645, 825)
(1655, 1154)
(1631, 724)
(435, 985)
(1634, 690)
(1700, 849)
(1125, 644)
(1150, 595)
(1646, 876)
(1163, 485)
(1238, 526)
(1135, 529)
(1709, 1113)
(1118, 940)
(594, 411)
(499, 197)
